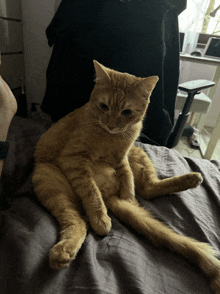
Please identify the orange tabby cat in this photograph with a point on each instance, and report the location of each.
(87, 160)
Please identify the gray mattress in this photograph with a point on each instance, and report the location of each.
(123, 261)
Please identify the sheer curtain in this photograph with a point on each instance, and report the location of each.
(190, 22)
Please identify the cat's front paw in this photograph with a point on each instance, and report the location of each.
(62, 254)
(101, 225)
(194, 179)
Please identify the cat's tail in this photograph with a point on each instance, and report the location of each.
(201, 254)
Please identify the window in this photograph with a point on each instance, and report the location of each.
(201, 16)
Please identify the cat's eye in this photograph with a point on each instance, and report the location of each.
(126, 112)
(104, 106)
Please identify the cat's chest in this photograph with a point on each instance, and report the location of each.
(100, 148)
(110, 153)
(113, 159)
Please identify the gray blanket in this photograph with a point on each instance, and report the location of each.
(122, 262)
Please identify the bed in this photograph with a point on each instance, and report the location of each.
(121, 262)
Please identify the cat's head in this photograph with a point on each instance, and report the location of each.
(119, 100)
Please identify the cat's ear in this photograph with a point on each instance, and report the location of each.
(101, 71)
(149, 83)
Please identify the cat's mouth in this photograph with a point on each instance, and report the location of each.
(110, 130)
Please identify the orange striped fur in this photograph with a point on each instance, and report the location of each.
(87, 162)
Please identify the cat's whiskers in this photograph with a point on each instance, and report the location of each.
(124, 136)
(129, 134)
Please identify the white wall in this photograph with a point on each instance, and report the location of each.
(36, 17)
(11, 43)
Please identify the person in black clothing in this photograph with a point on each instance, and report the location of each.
(137, 36)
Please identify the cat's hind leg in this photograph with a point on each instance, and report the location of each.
(55, 193)
(147, 183)
(201, 254)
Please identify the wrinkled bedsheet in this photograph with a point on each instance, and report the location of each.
(122, 262)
